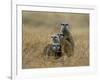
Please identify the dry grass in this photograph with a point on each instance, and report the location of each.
(36, 38)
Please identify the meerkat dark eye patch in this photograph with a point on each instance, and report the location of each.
(67, 24)
(55, 37)
(62, 24)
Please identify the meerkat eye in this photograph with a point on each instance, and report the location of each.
(55, 37)
(66, 24)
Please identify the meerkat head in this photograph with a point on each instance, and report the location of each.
(56, 38)
(60, 35)
(65, 26)
(65, 29)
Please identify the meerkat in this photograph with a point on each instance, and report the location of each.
(53, 49)
(67, 41)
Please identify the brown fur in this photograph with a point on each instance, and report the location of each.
(68, 46)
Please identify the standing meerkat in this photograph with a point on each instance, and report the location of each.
(67, 42)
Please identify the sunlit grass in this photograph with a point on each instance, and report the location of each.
(35, 39)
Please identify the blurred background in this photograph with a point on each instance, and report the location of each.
(51, 19)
